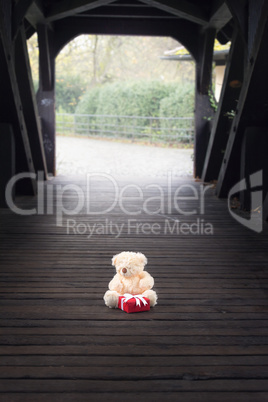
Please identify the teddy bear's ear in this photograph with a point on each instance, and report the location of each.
(114, 259)
(142, 258)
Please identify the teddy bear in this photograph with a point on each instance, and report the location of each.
(130, 278)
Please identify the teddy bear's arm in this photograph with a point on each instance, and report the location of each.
(115, 284)
(146, 281)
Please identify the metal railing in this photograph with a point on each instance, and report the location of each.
(144, 128)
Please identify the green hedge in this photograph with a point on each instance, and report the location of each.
(179, 103)
(69, 90)
(88, 103)
(138, 98)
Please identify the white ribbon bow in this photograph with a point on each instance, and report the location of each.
(138, 298)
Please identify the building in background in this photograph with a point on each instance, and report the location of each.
(219, 57)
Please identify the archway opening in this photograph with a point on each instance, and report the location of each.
(122, 109)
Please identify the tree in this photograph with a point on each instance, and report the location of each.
(89, 61)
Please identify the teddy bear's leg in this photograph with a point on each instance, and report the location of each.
(111, 298)
(152, 296)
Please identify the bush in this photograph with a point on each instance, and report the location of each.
(179, 103)
(138, 98)
(88, 103)
(69, 90)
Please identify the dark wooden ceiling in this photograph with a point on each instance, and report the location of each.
(205, 14)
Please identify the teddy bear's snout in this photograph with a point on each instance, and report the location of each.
(124, 270)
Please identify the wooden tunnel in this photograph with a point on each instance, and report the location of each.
(225, 150)
(207, 338)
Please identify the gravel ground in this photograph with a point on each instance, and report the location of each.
(79, 156)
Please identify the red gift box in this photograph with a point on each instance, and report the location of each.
(133, 303)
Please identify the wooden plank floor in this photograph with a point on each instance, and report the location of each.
(206, 340)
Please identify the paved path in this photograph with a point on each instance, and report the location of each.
(79, 156)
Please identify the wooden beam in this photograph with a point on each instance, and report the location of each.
(46, 93)
(7, 160)
(203, 107)
(69, 8)
(11, 112)
(182, 9)
(129, 11)
(220, 15)
(29, 29)
(239, 12)
(35, 14)
(256, 11)
(20, 10)
(206, 58)
(252, 107)
(226, 33)
(185, 32)
(6, 21)
(44, 56)
(255, 143)
(46, 106)
(28, 100)
(228, 101)
(265, 208)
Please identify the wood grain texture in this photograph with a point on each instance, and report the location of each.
(206, 340)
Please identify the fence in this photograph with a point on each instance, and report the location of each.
(152, 129)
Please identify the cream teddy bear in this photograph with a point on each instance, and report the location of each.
(130, 278)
